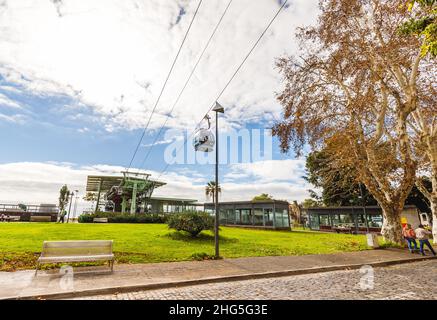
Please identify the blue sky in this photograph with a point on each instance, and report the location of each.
(78, 81)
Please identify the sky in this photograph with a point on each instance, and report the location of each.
(79, 80)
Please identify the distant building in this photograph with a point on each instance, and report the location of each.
(269, 214)
(132, 193)
(356, 219)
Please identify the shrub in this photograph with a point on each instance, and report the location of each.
(192, 222)
(114, 217)
(199, 256)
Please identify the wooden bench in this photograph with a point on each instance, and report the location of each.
(100, 220)
(40, 219)
(342, 229)
(76, 251)
(12, 218)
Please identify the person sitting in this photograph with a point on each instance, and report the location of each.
(423, 236)
(410, 237)
(2, 217)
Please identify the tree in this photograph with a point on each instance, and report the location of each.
(262, 197)
(339, 186)
(210, 190)
(63, 197)
(353, 90)
(423, 24)
(310, 203)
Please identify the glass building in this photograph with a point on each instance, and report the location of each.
(353, 219)
(270, 214)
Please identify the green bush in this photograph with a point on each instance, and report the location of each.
(192, 222)
(114, 217)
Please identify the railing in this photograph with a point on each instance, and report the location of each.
(28, 208)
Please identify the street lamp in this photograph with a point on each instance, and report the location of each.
(363, 203)
(75, 203)
(69, 208)
(217, 109)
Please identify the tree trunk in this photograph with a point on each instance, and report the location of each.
(391, 226)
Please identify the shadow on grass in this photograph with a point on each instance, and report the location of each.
(201, 238)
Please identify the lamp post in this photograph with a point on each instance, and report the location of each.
(75, 203)
(69, 208)
(363, 203)
(217, 109)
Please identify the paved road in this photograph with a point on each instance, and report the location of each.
(407, 281)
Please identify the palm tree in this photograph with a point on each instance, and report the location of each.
(210, 190)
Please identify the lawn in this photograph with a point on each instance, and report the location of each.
(20, 243)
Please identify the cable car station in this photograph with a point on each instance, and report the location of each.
(132, 193)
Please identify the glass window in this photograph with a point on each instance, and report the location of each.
(268, 217)
(258, 217)
(375, 221)
(246, 216)
(285, 222)
(223, 216)
(278, 219)
(346, 220)
(361, 221)
(324, 220)
(314, 221)
(335, 220)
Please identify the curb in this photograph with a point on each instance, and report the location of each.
(184, 283)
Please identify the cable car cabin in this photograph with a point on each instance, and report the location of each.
(204, 141)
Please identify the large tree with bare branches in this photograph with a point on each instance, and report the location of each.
(353, 90)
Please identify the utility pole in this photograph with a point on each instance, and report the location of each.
(69, 208)
(363, 203)
(217, 109)
(75, 203)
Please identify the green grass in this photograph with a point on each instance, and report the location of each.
(20, 243)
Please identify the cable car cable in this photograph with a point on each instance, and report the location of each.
(232, 78)
(163, 87)
(185, 85)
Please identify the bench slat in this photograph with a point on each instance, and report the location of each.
(76, 258)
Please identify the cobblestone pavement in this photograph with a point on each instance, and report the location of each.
(406, 281)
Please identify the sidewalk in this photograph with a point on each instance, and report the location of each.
(134, 277)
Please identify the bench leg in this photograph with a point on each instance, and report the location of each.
(36, 270)
(111, 264)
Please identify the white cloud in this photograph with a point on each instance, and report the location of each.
(114, 55)
(290, 170)
(7, 102)
(39, 182)
(17, 118)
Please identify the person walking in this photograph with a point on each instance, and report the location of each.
(410, 237)
(423, 236)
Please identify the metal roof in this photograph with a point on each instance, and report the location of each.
(172, 199)
(93, 182)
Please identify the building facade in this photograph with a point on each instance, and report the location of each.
(270, 214)
(355, 219)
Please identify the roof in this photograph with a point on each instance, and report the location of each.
(407, 206)
(93, 182)
(249, 202)
(172, 199)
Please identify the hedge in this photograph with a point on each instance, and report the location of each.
(123, 218)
